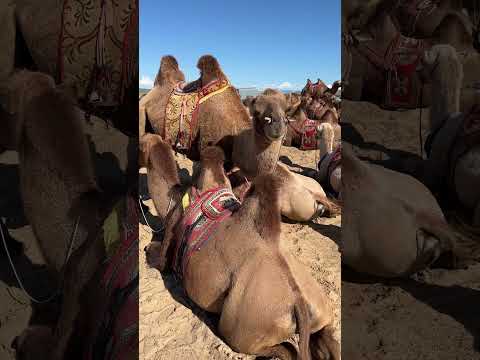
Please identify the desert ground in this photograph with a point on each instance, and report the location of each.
(436, 314)
(171, 327)
(16, 310)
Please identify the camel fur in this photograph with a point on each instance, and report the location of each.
(232, 275)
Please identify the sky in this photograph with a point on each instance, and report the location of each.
(258, 43)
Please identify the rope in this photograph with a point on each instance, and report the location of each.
(17, 276)
(162, 227)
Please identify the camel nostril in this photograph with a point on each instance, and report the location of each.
(145, 248)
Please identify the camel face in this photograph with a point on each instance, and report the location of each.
(269, 117)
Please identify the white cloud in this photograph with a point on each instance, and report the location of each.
(145, 82)
(285, 85)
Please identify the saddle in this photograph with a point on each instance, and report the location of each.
(181, 112)
(329, 162)
(104, 39)
(399, 63)
(202, 216)
(118, 334)
(308, 134)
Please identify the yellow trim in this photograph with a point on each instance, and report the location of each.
(219, 91)
(185, 201)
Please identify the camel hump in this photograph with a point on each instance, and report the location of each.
(210, 69)
(168, 71)
(266, 188)
(213, 155)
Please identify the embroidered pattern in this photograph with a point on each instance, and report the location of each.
(200, 221)
(182, 110)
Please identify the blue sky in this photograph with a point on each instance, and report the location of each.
(260, 43)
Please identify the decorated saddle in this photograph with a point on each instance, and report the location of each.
(101, 37)
(202, 216)
(117, 337)
(181, 113)
(328, 163)
(307, 134)
(400, 62)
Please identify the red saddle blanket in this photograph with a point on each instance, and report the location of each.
(309, 135)
(200, 220)
(402, 83)
(118, 335)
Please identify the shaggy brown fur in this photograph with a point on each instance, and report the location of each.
(58, 188)
(210, 69)
(168, 72)
(231, 275)
(153, 150)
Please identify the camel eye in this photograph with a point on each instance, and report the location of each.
(268, 119)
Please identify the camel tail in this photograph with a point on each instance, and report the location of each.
(303, 321)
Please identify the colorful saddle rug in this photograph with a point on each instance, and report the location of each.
(182, 110)
(329, 162)
(118, 334)
(403, 86)
(98, 49)
(202, 216)
(400, 62)
(309, 135)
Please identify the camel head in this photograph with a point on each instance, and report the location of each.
(154, 150)
(169, 72)
(212, 173)
(269, 117)
(210, 70)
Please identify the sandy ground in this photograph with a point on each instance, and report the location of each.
(171, 327)
(435, 316)
(15, 308)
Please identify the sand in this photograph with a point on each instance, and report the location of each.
(171, 327)
(15, 307)
(435, 316)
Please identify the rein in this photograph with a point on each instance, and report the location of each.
(17, 276)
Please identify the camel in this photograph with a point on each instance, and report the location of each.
(314, 90)
(105, 293)
(392, 226)
(301, 198)
(61, 199)
(222, 119)
(454, 150)
(51, 35)
(384, 67)
(232, 273)
(303, 130)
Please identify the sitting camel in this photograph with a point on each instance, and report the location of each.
(230, 271)
(301, 198)
(61, 199)
(211, 113)
(390, 69)
(392, 226)
(453, 144)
